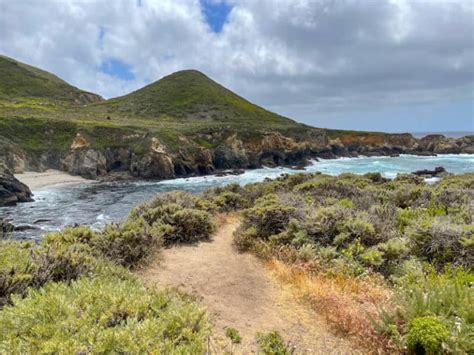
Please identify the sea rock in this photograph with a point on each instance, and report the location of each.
(11, 189)
(437, 172)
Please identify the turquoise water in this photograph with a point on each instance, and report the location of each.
(99, 203)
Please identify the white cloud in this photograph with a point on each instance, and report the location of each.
(298, 57)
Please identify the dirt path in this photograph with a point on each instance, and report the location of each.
(239, 293)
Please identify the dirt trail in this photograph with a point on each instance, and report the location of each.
(239, 293)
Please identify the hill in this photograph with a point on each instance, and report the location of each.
(189, 94)
(182, 124)
(21, 81)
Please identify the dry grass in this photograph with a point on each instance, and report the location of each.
(347, 304)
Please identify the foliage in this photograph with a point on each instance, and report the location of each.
(234, 335)
(176, 218)
(102, 315)
(426, 335)
(272, 343)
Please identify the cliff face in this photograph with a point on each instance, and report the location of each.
(157, 161)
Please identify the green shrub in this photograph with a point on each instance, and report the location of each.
(426, 335)
(128, 243)
(24, 265)
(272, 343)
(229, 201)
(440, 241)
(107, 314)
(448, 296)
(244, 239)
(269, 217)
(234, 335)
(186, 226)
(174, 218)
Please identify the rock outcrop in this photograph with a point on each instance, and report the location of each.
(439, 171)
(11, 189)
(440, 144)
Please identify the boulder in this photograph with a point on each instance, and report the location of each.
(11, 189)
(439, 171)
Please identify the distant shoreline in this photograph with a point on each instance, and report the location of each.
(449, 134)
(38, 181)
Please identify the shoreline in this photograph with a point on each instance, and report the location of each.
(38, 181)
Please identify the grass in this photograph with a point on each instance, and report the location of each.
(19, 80)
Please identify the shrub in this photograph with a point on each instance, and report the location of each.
(307, 252)
(272, 343)
(186, 226)
(440, 241)
(234, 335)
(24, 265)
(447, 296)
(426, 335)
(244, 239)
(269, 217)
(229, 201)
(128, 243)
(107, 314)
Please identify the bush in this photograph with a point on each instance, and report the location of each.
(234, 335)
(175, 219)
(447, 296)
(426, 335)
(24, 265)
(244, 239)
(107, 314)
(269, 217)
(440, 241)
(229, 201)
(272, 343)
(186, 226)
(128, 243)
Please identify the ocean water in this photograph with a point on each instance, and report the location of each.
(96, 204)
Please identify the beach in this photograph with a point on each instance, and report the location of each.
(37, 181)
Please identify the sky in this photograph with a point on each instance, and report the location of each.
(383, 65)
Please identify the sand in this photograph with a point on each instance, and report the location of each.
(37, 181)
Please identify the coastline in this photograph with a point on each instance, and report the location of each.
(38, 181)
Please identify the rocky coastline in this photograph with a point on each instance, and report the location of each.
(230, 156)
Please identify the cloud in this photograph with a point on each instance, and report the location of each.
(301, 58)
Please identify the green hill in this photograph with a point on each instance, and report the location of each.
(189, 94)
(21, 81)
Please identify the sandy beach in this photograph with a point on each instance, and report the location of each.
(37, 181)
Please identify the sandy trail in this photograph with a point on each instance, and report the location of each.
(239, 293)
(37, 181)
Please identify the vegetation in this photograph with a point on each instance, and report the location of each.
(272, 343)
(102, 315)
(71, 293)
(387, 261)
(20, 80)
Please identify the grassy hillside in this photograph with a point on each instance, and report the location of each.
(20, 81)
(184, 104)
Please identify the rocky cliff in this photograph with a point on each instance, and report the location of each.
(12, 190)
(157, 161)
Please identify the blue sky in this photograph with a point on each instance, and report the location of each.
(215, 13)
(385, 65)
